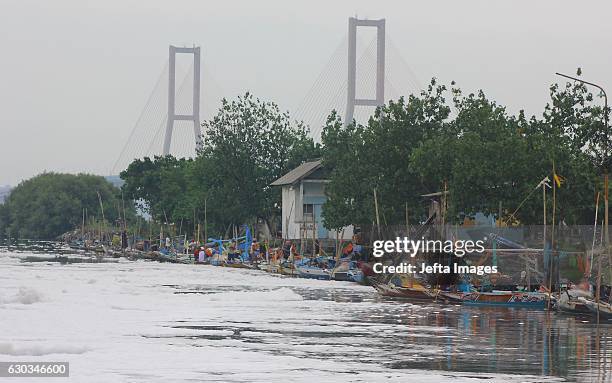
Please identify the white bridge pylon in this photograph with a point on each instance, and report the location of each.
(195, 109)
(352, 99)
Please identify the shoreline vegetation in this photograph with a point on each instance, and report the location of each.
(466, 153)
(487, 160)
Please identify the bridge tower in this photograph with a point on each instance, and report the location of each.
(352, 99)
(195, 109)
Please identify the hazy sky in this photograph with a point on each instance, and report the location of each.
(75, 75)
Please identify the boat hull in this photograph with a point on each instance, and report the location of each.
(312, 273)
(500, 299)
(409, 293)
(603, 309)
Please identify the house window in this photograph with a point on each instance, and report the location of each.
(308, 212)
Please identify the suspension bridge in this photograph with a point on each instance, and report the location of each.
(365, 70)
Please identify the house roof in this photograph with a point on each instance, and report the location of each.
(302, 171)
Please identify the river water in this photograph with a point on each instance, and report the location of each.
(151, 322)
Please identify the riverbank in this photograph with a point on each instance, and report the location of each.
(154, 322)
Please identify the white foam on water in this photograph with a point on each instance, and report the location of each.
(150, 322)
(40, 350)
(276, 295)
(27, 296)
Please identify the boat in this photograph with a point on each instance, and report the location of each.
(237, 265)
(568, 302)
(404, 287)
(412, 293)
(520, 299)
(347, 271)
(269, 267)
(356, 275)
(314, 268)
(312, 272)
(602, 308)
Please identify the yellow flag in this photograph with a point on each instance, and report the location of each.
(558, 180)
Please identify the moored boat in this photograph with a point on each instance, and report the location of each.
(415, 292)
(568, 302)
(603, 309)
(499, 298)
(312, 272)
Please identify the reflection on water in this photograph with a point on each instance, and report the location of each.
(402, 335)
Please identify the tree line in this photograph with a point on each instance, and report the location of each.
(50, 204)
(439, 139)
(471, 146)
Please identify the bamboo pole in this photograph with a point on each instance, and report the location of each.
(598, 292)
(123, 206)
(553, 254)
(606, 190)
(407, 225)
(594, 235)
(377, 216)
(313, 231)
(550, 264)
(102, 210)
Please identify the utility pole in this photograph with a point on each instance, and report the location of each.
(605, 153)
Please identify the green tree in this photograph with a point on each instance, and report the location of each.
(488, 157)
(160, 186)
(377, 155)
(50, 204)
(247, 145)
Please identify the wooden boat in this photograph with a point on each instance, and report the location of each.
(499, 298)
(568, 303)
(604, 309)
(347, 271)
(416, 292)
(312, 272)
(286, 268)
(270, 267)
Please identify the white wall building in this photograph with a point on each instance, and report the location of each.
(303, 196)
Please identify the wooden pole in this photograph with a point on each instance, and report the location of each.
(598, 291)
(444, 206)
(544, 246)
(377, 216)
(337, 250)
(313, 231)
(552, 233)
(124, 217)
(205, 221)
(407, 225)
(102, 210)
(594, 235)
(606, 187)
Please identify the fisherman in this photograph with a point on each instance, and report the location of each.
(255, 251)
(202, 255)
(287, 249)
(196, 253)
(124, 240)
(232, 254)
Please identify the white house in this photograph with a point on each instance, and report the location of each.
(303, 196)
